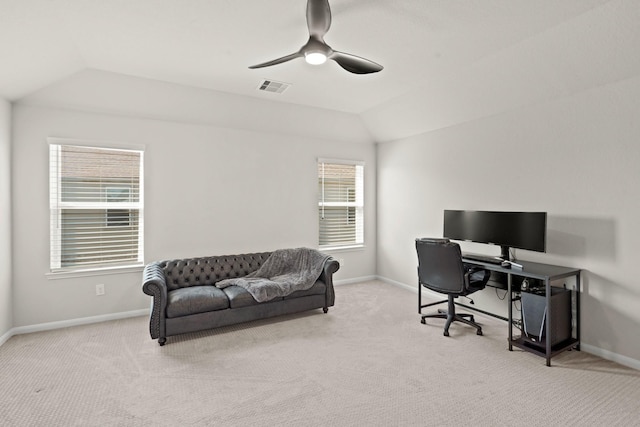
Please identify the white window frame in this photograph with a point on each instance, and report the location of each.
(357, 204)
(57, 205)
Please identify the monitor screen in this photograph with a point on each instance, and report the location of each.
(522, 230)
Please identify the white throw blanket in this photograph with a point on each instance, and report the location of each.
(284, 272)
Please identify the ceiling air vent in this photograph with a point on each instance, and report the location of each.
(273, 86)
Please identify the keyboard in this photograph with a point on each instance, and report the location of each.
(488, 259)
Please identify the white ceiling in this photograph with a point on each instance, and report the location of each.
(210, 44)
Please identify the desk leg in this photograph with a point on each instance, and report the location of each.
(510, 311)
(547, 327)
(577, 320)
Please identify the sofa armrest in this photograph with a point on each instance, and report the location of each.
(154, 284)
(330, 266)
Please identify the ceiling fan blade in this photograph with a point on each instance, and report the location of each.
(318, 17)
(355, 64)
(278, 61)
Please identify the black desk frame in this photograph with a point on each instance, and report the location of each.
(547, 273)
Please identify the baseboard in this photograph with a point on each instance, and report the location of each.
(355, 280)
(71, 322)
(396, 283)
(596, 351)
(414, 288)
(4, 338)
(609, 355)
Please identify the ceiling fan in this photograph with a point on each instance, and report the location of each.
(316, 51)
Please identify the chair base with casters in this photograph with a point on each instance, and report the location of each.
(451, 316)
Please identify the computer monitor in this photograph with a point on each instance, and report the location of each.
(522, 230)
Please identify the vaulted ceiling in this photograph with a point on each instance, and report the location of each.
(453, 58)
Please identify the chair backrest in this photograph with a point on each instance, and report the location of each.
(440, 266)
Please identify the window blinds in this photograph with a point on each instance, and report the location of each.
(340, 203)
(96, 204)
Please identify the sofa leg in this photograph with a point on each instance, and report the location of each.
(325, 309)
(162, 340)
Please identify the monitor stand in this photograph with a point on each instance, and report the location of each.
(504, 253)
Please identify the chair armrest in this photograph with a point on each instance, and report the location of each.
(154, 284)
(477, 284)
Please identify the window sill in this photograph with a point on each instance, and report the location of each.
(66, 274)
(341, 248)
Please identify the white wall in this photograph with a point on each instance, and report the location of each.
(110, 93)
(575, 157)
(6, 310)
(208, 190)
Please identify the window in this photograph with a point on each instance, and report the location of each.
(340, 203)
(96, 202)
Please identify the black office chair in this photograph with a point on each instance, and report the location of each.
(440, 268)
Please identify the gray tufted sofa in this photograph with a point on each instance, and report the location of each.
(186, 300)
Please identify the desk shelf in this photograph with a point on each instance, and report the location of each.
(539, 348)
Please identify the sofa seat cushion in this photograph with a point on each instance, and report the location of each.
(195, 299)
(240, 297)
(318, 288)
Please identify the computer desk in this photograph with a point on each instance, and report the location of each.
(547, 273)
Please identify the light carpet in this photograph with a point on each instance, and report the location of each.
(368, 361)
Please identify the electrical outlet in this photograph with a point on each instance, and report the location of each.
(100, 289)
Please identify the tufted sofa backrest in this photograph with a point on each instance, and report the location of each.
(182, 273)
